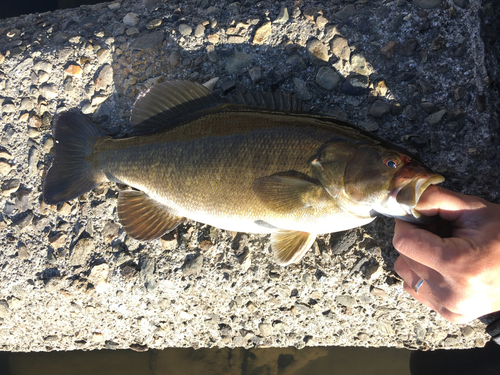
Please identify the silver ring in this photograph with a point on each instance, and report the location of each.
(418, 285)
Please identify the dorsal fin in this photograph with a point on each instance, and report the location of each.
(277, 100)
(158, 107)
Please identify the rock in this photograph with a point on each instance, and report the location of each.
(410, 112)
(193, 265)
(132, 31)
(317, 49)
(327, 78)
(435, 117)
(74, 70)
(266, 329)
(131, 19)
(428, 107)
(174, 59)
(355, 84)
(481, 103)
(379, 109)
(427, 4)
(340, 48)
(49, 91)
(10, 186)
(237, 62)
(262, 33)
(212, 54)
(199, 31)
(408, 48)
(26, 105)
(103, 55)
(105, 77)
(153, 24)
(283, 16)
(255, 74)
(234, 39)
(301, 89)
(368, 125)
(185, 29)
(359, 64)
(388, 49)
(227, 86)
(81, 251)
(345, 300)
(459, 93)
(321, 22)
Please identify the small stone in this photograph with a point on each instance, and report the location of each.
(227, 86)
(193, 265)
(345, 300)
(237, 62)
(174, 59)
(481, 103)
(10, 186)
(114, 6)
(2, 58)
(49, 91)
(435, 117)
(359, 64)
(5, 155)
(212, 54)
(437, 43)
(409, 47)
(99, 277)
(321, 22)
(283, 17)
(301, 89)
(65, 209)
(379, 292)
(110, 231)
(74, 70)
(103, 55)
(185, 29)
(131, 31)
(255, 74)
(81, 251)
(199, 31)
(26, 105)
(380, 109)
(105, 77)
(213, 38)
(388, 49)
(265, 329)
(234, 39)
(356, 84)
(459, 93)
(153, 24)
(131, 19)
(43, 76)
(369, 125)
(340, 48)
(363, 336)
(57, 240)
(427, 4)
(428, 107)
(327, 78)
(262, 33)
(317, 49)
(4, 168)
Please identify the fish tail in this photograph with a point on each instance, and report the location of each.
(71, 174)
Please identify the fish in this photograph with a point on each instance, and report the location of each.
(251, 163)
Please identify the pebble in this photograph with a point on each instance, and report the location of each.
(193, 265)
(131, 31)
(481, 103)
(185, 29)
(379, 109)
(26, 105)
(262, 33)
(301, 89)
(234, 39)
(237, 62)
(321, 22)
(8, 108)
(327, 78)
(359, 64)
(379, 292)
(388, 49)
(345, 300)
(74, 70)
(435, 117)
(81, 251)
(10, 186)
(459, 93)
(213, 38)
(199, 31)
(427, 4)
(43, 76)
(283, 17)
(266, 329)
(340, 48)
(104, 78)
(355, 84)
(428, 107)
(317, 49)
(227, 86)
(49, 91)
(153, 24)
(408, 48)
(103, 55)
(255, 74)
(369, 125)
(131, 19)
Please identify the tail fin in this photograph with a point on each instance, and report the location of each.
(70, 174)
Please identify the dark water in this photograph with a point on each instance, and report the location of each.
(14, 8)
(287, 361)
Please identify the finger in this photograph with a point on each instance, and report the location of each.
(448, 204)
(423, 246)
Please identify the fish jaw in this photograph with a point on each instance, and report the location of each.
(405, 191)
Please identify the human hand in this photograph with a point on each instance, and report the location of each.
(459, 258)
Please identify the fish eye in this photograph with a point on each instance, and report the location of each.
(391, 162)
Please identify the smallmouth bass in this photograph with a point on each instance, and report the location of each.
(251, 164)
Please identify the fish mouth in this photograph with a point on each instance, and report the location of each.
(409, 195)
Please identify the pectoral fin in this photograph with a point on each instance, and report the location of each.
(284, 194)
(290, 246)
(144, 218)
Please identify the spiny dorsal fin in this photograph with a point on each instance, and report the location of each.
(290, 246)
(277, 100)
(158, 107)
(144, 218)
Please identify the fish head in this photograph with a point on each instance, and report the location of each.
(366, 178)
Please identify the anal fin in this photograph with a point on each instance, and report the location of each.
(144, 218)
(290, 246)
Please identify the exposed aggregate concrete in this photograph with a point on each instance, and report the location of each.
(413, 72)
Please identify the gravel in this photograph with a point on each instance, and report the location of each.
(73, 279)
